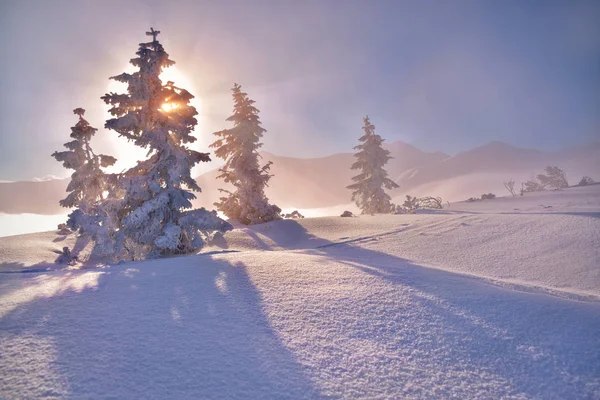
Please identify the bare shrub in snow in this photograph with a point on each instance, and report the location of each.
(555, 178)
(239, 146)
(585, 181)
(488, 196)
(431, 202)
(154, 215)
(510, 186)
(412, 204)
(368, 190)
(347, 214)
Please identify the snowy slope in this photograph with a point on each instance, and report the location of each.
(556, 253)
(410, 306)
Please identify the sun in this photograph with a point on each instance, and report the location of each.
(174, 75)
(168, 107)
(127, 153)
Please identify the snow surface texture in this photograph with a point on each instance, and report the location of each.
(322, 308)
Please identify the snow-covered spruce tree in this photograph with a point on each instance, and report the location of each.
(88, 183)
(368, 190)
(239, 146)
(89, 186)
(155, 217)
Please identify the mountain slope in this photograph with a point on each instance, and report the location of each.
(485, 168)
(35, 197)
(318, 182)
(321, 182)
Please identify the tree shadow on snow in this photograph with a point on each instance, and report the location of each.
(172, 328)
(542, 346)
(21, 268)
(286, 233)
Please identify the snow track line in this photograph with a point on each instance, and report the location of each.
(364, 238)
(405, 228)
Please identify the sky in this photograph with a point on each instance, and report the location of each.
(441, 75)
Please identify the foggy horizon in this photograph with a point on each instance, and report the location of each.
(216, 163)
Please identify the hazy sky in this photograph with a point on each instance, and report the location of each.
(442, 75)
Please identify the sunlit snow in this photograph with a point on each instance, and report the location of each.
(494, 299)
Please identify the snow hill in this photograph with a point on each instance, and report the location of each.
(300, 183)
(492, 299)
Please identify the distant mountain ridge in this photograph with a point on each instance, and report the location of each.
(318, 182)
(321, 182)
(34, 197)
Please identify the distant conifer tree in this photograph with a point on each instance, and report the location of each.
(368, 190)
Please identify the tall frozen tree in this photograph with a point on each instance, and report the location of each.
(368, 190)
(239, 146)
(89, 186)
(155, 216)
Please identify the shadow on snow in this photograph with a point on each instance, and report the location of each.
(543, 346)
(142, 332)
(149, 333)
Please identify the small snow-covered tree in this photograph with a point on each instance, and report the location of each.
(238, 146)
(555, 178)
(368, 190)
(88, 182)
(532, 186)
(90, 189)
(154, 216)
(410, 205)
(585, 181)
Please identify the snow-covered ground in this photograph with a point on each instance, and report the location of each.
(492, 299)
